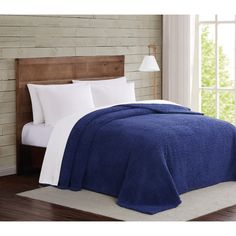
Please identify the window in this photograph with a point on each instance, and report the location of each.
(217, 66)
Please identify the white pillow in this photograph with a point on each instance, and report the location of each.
(106, 95)
(61, 101)
(121, 80)
(38, 117)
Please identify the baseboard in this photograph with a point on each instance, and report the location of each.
(7, 170)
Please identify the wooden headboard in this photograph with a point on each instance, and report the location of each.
(58, 70)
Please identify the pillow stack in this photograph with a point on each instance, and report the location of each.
(110, 92)
(50, 103)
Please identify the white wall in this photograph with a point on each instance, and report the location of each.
(52, 36)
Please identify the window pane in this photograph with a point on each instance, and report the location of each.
(206, 17)
(226, 47)
(227, 17)
(208, 76)
(208, 102)
(227, 106)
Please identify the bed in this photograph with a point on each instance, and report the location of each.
(145, 154)
(58, 70)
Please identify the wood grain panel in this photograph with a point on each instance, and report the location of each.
(59, 70)
(62, 36)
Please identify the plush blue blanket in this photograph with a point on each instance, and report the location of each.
(148, 154)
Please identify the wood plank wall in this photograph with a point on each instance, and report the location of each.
(51, 36)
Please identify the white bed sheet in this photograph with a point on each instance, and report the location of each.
(51, 167)
(36, 135)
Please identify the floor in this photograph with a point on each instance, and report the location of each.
(15, 208)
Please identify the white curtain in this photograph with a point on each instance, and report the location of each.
(180, 67)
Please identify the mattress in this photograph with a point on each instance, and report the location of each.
(36, 135)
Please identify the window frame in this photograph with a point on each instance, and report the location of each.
(216, 88)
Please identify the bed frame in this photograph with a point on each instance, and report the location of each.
(59, 70)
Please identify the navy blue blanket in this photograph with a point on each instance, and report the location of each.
(148, 154)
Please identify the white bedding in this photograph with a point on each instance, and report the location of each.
(53, 157)
(36, 135)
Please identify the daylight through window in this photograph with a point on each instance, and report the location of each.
(217, 66)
